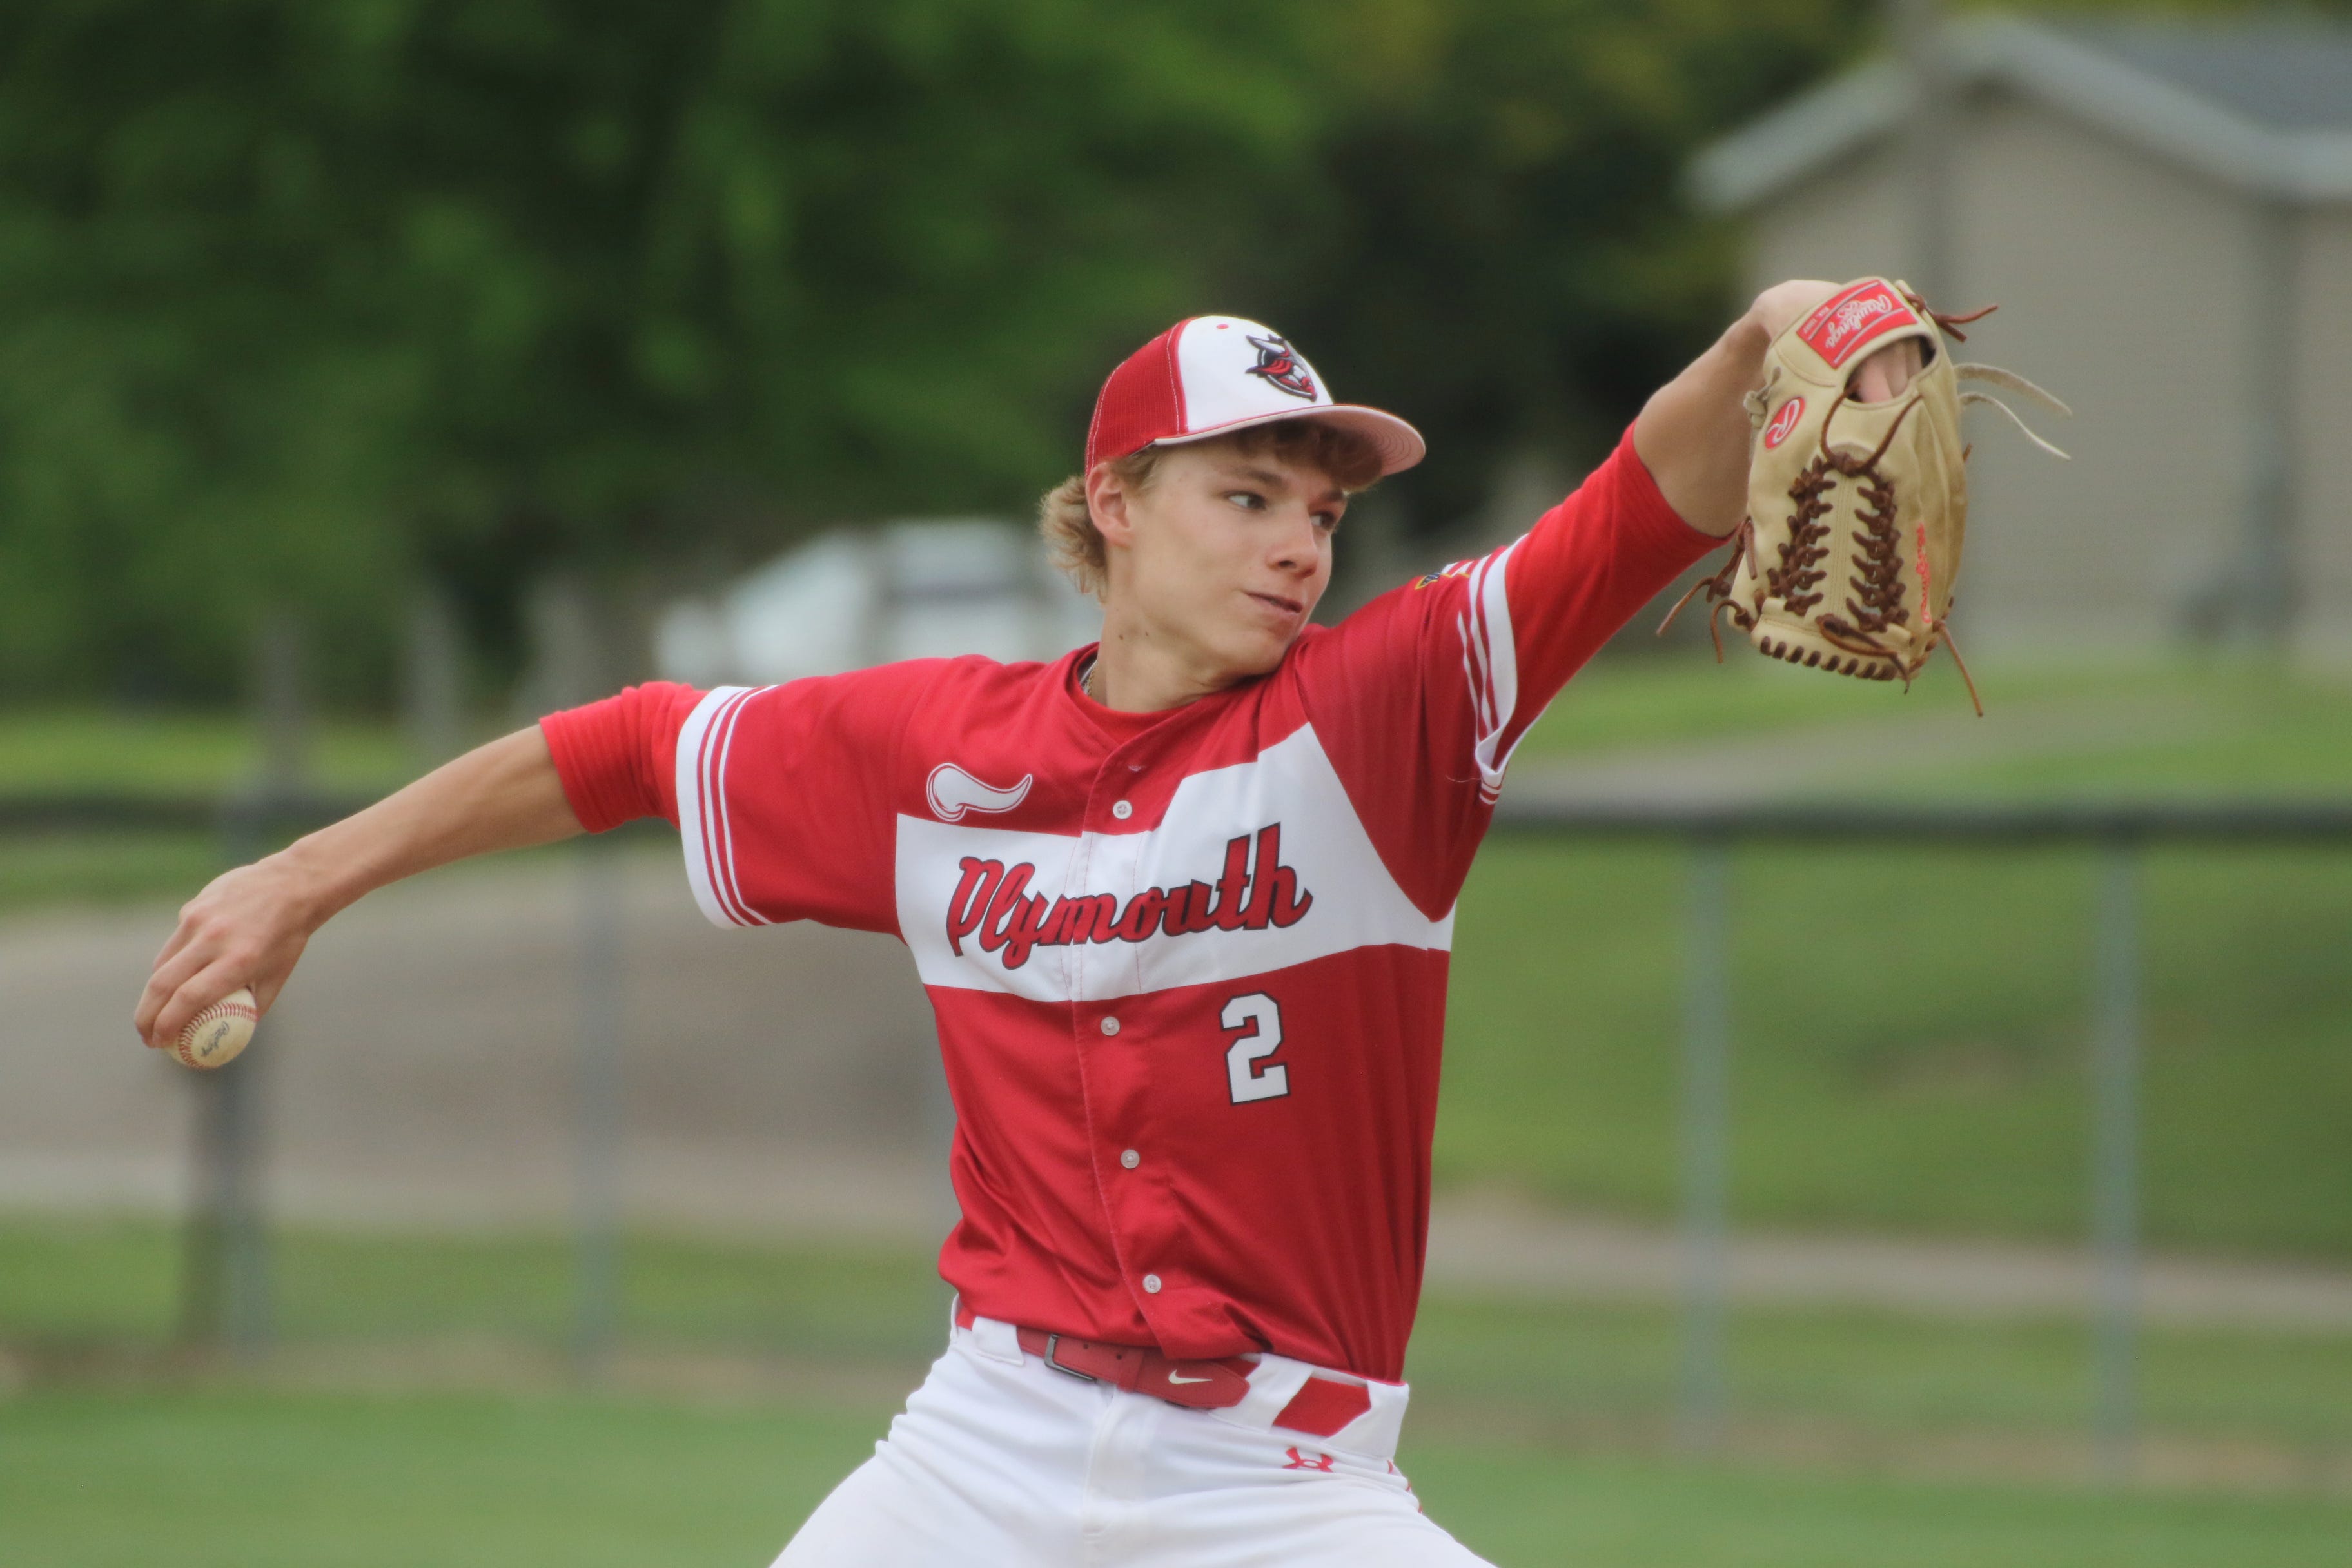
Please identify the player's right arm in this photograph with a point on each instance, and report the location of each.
(1694, 433)
(249, 926)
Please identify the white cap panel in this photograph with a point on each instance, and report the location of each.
(1235, 370)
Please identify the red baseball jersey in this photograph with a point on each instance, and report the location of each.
(1189, 967)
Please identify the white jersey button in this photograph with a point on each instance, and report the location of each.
(1130, 1159)
(1152, 1284)
(1110, 1025)
(1122, 811)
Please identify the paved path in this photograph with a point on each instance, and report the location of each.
(781, 1081)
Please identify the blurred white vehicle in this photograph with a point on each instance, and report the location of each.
(852, 598)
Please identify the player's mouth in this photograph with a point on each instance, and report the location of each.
(1290, 608)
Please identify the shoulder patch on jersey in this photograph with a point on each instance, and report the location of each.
(952, 792)
(1459, 569)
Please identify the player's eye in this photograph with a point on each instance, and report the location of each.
(1329, 521)
(1248, 501)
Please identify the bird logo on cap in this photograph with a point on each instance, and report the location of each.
(1279, 365)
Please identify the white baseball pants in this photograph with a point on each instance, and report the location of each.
(999, 1461)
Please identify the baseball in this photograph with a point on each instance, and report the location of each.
(215, 1036)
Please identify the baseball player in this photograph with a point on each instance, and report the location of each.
(1182, 904)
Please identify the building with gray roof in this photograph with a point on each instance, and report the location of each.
(2163, 213)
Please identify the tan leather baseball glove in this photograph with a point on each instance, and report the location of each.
(1856, 511)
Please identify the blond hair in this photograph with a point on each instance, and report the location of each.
(1076, 545)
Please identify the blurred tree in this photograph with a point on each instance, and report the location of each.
(299, 298)
(1497, 244)
(297, 294)
(1494, 242)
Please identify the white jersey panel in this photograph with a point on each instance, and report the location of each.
(1336, 892)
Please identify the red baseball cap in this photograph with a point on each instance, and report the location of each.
(1214, 374)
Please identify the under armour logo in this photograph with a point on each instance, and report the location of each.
(1299, 1461)
(953, 792)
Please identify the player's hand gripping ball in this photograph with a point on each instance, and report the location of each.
(215, 1036)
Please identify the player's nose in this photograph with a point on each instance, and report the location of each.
(1298, 548)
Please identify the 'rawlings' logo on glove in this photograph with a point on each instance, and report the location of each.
(1859, 315)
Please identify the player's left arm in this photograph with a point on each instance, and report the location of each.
(1693, 433)
(1465, 660)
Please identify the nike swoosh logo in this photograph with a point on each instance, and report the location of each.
(1180, 1377)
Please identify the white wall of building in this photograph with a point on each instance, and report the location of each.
(856, 597)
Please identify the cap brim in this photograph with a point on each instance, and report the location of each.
(1400, 446)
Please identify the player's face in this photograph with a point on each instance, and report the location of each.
(1224, 556)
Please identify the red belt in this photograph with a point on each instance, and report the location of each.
(1319, 1409)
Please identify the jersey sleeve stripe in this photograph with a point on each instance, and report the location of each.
(1491, 661)
(724, 861)
(703, 832)
(697, 830)
(711, 786)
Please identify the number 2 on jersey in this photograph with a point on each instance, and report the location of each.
(1261, 1015)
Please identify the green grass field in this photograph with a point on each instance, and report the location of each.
(419, 1414)
(76, 1297)
(52, 753)
(1911, 1037)
(2205, 728)
(111, 866)
(1911, 1028)
(241, 1479)
(173, 754)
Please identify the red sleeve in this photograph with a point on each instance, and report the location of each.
(1551, 599)
(784, 799)
(1420, 697)
(617, 757)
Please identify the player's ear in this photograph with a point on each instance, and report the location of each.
(1109, 499)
